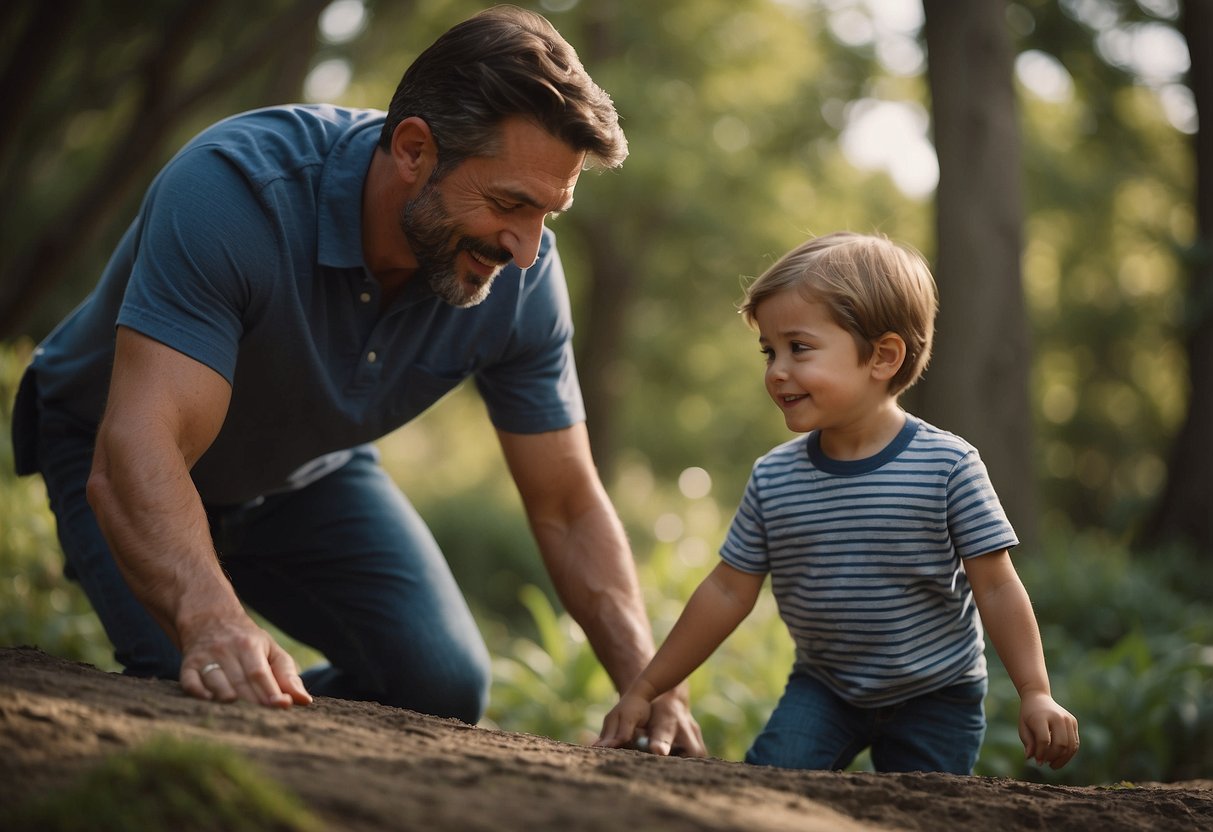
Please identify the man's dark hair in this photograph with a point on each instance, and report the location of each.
(505, 62)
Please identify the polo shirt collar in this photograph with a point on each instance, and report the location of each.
(339, 236)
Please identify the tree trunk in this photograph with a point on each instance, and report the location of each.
(1185, 513)
(611, 287)
(167, 99)
(610, 279)
(33, 57)
(977, 383)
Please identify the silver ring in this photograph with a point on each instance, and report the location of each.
(208, 668)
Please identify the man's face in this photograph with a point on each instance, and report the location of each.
(487, 211)
(431, 234)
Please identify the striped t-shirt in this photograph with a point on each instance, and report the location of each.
(864, 557)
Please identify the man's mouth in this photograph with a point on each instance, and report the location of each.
(489, 257)
(484, 260)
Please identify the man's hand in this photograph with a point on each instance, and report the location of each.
(1049, 732)
(226, 660)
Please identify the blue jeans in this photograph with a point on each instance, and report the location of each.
(345, 565)
(812, 728)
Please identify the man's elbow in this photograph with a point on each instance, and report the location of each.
(97, 490)
(99, 487)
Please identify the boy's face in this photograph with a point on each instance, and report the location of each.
(814, 374)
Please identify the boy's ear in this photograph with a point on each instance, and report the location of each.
(888, 354)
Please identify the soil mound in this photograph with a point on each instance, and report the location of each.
(362, 766)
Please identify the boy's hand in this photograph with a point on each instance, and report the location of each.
(671, 729)
(620, 726)
(1049, 732)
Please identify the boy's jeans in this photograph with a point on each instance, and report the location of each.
(812, 728)
(344, 565)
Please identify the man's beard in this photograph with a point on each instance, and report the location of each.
(429, 231)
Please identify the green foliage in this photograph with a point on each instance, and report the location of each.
(38, 605)
(548, 684)
(1129, 645)
(166, 784)
(1104, 285)
(553, 685)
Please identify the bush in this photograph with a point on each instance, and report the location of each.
(1130, 654)
(38, 605)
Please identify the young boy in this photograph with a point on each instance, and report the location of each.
(882, 535)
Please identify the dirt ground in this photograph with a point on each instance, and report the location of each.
(362, 766)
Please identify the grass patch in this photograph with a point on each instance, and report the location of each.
(167, 784)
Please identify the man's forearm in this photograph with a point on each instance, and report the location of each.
(153, 520)
(592, 569)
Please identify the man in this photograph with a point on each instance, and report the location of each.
(299, 282)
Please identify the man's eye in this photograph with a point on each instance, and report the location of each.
(506, 207)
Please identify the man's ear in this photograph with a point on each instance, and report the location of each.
(414, 151)
(888, 354)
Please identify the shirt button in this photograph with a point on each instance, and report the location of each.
(372, 356)
(365, 297)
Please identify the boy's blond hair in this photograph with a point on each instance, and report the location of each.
(870, 285)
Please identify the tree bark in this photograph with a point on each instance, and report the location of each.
(611, 289)
(1185, 512)
(610, 279)
(977, 383)
(29, 63)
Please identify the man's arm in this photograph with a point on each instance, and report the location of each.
(164, 410)
(587, 555)
(1049, 732)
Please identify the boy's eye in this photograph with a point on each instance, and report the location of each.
(796, 347)
(767, 353)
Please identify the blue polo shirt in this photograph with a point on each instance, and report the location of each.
(246, 255)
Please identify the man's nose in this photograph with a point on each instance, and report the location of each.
(521, 240)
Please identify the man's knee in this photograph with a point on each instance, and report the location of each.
(454, 687)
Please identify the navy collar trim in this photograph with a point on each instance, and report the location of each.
(855, 467)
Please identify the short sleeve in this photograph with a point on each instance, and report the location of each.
(745, 546)
(204, 233)
(534, 386)
(977, 522)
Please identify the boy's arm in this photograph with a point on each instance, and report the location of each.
(1049, 732)
(718, 605)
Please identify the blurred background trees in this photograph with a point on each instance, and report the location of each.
(980, 392)
(1045, 157)
(96, 93)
